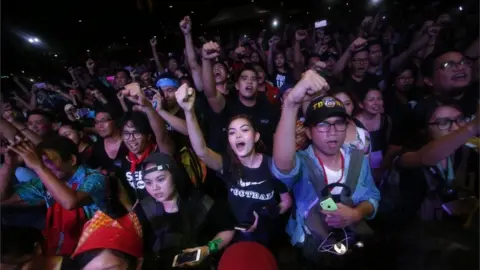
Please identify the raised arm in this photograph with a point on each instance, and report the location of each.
(177, 123)
(210, 51)
(186, 99)
(21, 85)
(342, 63)
(272, 43)
(13, 128)
(399, 61)
(298, 63)
(284, 146)
(153, 44)
(437, 150)
(195, 68)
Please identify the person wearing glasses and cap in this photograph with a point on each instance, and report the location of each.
(328, 158)
(176, 219)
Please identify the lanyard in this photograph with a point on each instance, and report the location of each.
(447, 174)
(325, 178)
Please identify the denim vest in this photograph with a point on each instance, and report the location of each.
(305, 196)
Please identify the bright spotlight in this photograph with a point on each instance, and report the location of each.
(275, 23)
(375, 2)
(31, 40)
(36, 40)
(460, 8)
(56, 55)
(32, 80)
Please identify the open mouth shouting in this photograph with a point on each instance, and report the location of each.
(459, 77)
(240, 146)
(332, 143)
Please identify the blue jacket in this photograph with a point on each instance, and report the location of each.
(305, 196)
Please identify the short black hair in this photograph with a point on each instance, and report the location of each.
(245, 67)
(123, 70)
(140, 122)
(428, 65)
(45, 114)
(63, 146)
(408, 66)
(74, 125)
(19, 241)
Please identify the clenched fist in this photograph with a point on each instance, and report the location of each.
(185, 97)
(310, 85)
(186, 25)
(210, 50)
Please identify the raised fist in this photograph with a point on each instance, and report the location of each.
(186, 25)
(210, 50)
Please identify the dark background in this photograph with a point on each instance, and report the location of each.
(121, 29)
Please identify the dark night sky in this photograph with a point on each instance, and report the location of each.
(104, 22)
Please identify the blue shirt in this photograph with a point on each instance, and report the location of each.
(304, 193)
(90, 181)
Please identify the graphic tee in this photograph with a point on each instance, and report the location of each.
(256, 189)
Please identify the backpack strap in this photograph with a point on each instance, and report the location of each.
(354, 168)
(151, 210)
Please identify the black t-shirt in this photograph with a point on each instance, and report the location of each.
(280, 78)
(264, 114)
(99, 157)
(218, 219)
(133, 181)
(255, 190)
(369, 82)
(213, 124)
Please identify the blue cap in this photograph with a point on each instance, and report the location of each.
(167, 82)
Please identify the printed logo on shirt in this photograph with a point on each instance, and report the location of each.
(246, 184)
(135, 179)
(251, 194)
(280, 80)
(264, 121)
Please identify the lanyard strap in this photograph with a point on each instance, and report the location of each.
(325, 177)
(447, 174)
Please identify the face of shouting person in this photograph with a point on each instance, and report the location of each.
(247, 84)
(242, 137)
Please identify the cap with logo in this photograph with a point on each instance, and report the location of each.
(162, 162)
(321, 108)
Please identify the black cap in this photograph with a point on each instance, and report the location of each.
(322, 108)
(163, 162)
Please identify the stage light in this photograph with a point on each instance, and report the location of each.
(36, 40)
(275, 23)
(30, 40)
(56, 55)
(460, 8)
(170, 6)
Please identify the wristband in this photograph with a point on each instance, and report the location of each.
(213, 245)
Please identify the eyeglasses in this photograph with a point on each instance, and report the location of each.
(360, 61)
(135, 135)
(446, 124)
(325, 126)
(449, 65)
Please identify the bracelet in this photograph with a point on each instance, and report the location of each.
(213, 245)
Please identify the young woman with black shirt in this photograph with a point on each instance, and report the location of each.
(255, 197)
(176, 219)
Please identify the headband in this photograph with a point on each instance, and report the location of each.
(167, 82)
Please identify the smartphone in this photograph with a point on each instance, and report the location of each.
(181, 259)
(320, 24)
(460, 207)
(149, 93)
(328, 204)
(41, 85)
(243, 227)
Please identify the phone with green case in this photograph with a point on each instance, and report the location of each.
(328, 204)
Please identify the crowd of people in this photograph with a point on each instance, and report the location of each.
(342, 150)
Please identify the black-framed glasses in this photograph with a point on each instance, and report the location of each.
(446, 123)
(129, 135)
(339, 126)
(449, 65)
